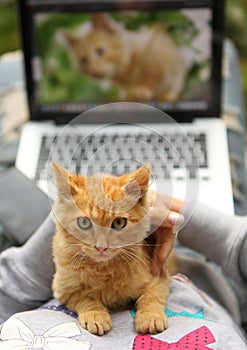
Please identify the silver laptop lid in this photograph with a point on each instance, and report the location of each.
(81, 54)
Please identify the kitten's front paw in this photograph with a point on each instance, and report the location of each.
(148, 322)
(96, 322)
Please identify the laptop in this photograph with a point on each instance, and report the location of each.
(112, 85)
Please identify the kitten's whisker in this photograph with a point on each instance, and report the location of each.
(69, 246)
(76, 261)
(148, 244)
(140, 263)
(132, 254)
(147, 255)
(126, 259)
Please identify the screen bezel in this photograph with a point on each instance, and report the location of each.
(26, 22)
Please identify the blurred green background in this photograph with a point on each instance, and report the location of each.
(61, 81)
(236, 29)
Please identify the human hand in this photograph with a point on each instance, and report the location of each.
(167, 222)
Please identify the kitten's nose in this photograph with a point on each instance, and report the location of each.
(101, 249)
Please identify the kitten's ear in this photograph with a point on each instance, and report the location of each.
(104, 22)
(137, 183)
(70, 38)
(65, 187)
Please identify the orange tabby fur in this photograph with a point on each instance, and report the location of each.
(101, 268)
(147, 64)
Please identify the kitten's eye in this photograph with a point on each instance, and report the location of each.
(100, 51)
(83, 61)
(84, 223)
(119, 223)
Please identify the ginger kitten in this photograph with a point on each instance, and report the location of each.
(146, 64)
(101, 257)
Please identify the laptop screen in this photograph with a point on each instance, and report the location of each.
(80, 55)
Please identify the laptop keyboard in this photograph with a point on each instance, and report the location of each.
(116, 154)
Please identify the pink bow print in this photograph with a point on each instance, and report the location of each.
(197, 339)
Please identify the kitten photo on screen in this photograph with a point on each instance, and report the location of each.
(102, 259)
(146, 64)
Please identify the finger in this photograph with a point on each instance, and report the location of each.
(165, 247)
(161, 217)
(159, 270)
(164, 239)
(158, 266)
(155, 265)
(158, 216)
(176, 220)
(164, 271)
(176, 205)
(172, 203)
(151, 197)
(155, 268)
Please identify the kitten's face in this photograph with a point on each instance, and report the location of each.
(99, 52)
(99, 217)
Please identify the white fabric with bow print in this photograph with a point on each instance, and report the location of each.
(16, 335)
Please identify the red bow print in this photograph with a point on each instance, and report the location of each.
(195, 340)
